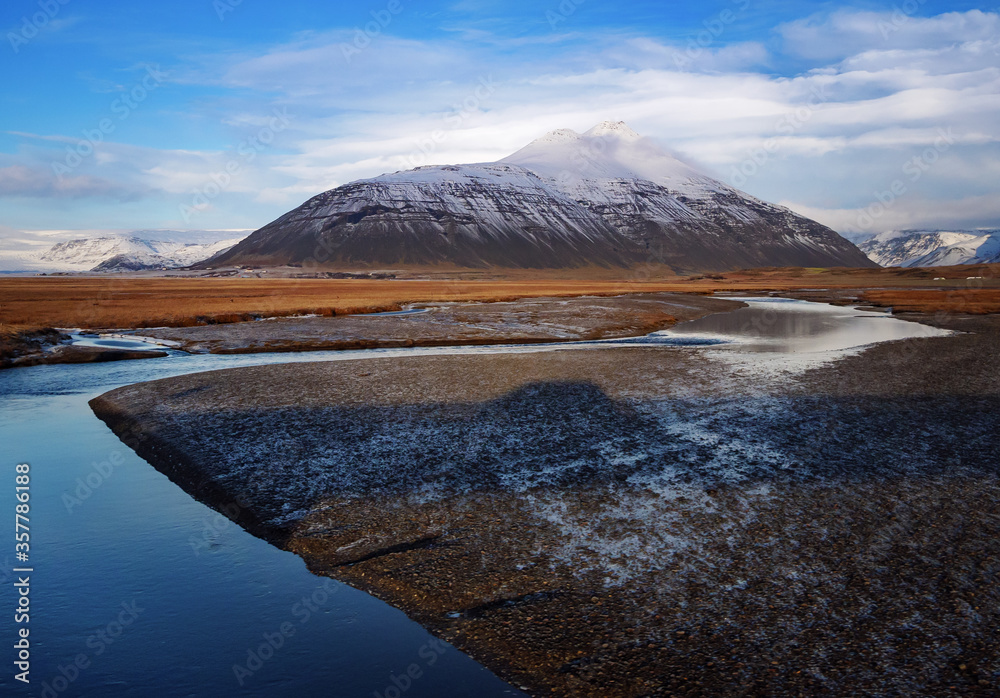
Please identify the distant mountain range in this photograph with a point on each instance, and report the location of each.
(607, 197)
(933, 248)
(132, 253)
(155, 249)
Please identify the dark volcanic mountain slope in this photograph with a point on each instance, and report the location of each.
(469, 215)
(607, 197)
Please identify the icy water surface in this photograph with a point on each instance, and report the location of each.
(107, 342)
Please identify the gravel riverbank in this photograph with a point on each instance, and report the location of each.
(523, 321)
(50, 346)
(636, 520)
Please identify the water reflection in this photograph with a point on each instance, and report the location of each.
(790, 326)
(108, 531)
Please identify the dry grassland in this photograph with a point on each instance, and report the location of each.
(124, 302)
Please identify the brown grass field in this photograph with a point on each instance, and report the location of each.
(972, 301)
(128, 302)
(179, 302)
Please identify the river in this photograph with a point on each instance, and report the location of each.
(139, 590)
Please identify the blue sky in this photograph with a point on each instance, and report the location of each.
(224, 114)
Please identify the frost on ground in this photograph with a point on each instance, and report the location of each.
(634, 520)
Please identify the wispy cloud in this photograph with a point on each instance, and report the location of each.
(19, 180)
(846, 33)
(968, 212)
(824, 112)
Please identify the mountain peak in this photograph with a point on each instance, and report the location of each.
(610, 150)
(618, 129)
(560, 135)
(607, 197)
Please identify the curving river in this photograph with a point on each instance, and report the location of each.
(139, 590)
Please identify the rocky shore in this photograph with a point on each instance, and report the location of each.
(631, 521)
(48, 346)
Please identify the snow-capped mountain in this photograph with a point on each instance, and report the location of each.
(124, 253)
(933, 248)
(607, 197)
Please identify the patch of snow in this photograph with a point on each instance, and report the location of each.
(931, 248)
(133, 250)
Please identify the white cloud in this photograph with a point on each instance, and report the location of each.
(20, 180)
(874, 91)
(847, 33)
(969, 213)
(644, 52)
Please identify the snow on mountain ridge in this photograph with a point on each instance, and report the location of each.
(607, 197)
(85, 254)
(608, 151)
(90, 251)
(930, 248)
(560, 134)
(618, 129)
